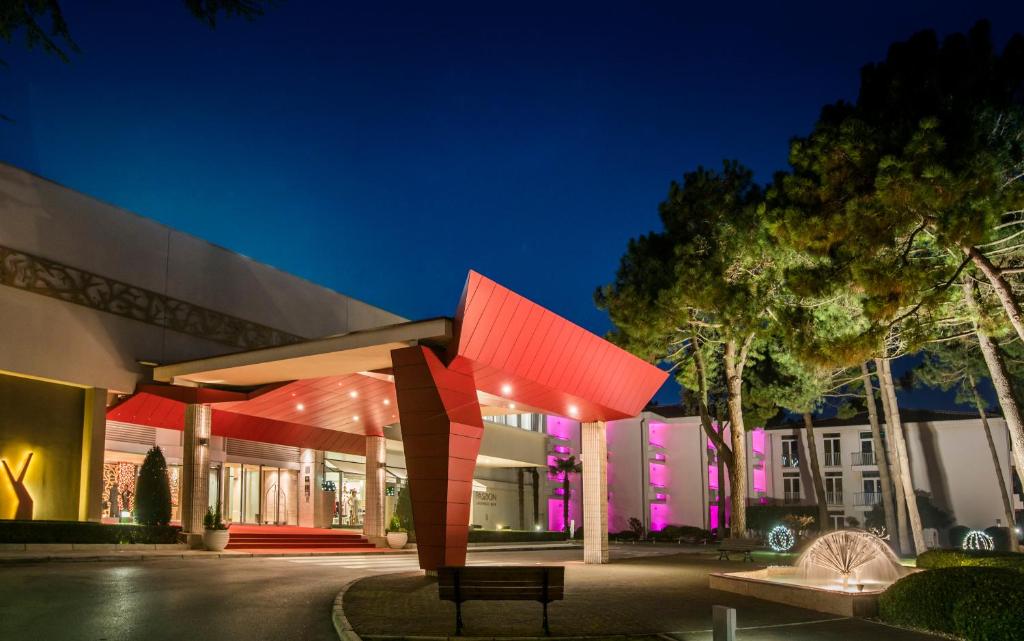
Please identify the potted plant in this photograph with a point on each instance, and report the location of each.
(396, 535)
(215, 534)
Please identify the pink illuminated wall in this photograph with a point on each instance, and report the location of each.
(556, 520)
(760, 480)
(659, 475)
(657, 434)
(713, 477)
(552, 461)
(712, 520)
(560, 427)
(757, 440)
(659, 516)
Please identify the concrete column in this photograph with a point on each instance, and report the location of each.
(595, 492)
(311, 477)
(94, 430)
(373, 519)
(195, 468)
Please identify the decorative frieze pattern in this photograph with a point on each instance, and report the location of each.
(49, 278)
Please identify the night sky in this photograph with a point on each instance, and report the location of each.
(385, 151)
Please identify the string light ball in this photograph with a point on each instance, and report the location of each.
(781, 539)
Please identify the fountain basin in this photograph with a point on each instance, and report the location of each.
(786, 585)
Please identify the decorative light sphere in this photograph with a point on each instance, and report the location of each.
(978, 540)
(780, 538)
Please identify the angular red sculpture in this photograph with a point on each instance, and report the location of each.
(441, 432)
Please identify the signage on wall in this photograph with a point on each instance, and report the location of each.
(24, 510)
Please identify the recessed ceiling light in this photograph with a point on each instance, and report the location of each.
(387, 401)
(300, 406)
(511, 406)
(573, 410)
(353, 393)
(355, 418)
(506, 389)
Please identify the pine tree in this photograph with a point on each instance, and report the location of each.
(153, 490)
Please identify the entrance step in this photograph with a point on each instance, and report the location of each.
(294, 538)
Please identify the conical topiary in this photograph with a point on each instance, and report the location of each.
(153, 491)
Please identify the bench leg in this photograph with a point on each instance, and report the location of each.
(458, 618)
(547, 630)
(748, 557)
(723, 555)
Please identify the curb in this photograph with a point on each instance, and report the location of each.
(341, 625)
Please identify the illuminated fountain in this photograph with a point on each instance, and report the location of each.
(841, 572)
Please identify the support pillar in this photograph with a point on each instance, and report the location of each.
(373, 517)
(312, 504)
(94, 430)
(595, 492)
(195, 468)
(441, 432)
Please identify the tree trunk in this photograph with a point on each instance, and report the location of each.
(996, 465)
(738, 470)
(1004, 389)
(905, 475)
(520, 473)
(884, 477)
(721, 498)
(819, 485)
(903, 527)
(1003, 290)
(566, 489)
(535, 486)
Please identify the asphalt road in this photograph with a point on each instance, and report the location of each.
(224, 599)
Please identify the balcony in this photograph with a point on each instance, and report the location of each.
(791, 497)
(866, 499)
(790, 461)
(834, 498)
(833, 459)
(863, 458)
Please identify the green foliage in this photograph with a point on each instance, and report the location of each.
(933, 559)
(1000, 536)
(974, 603)
(932, 516)
(636, 527)
(684, 533)
(957, 534)
(514, 536)
(153, 490)
(213, 520)
(395, 525)
(403, 509)
(762, 518)
(85, 532)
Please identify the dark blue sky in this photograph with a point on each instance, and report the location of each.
(383, 152)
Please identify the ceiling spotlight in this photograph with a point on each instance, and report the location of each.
(353, 393)
(573, 410)
(387, 401)
(300, 406)
(355, 418)
(506, 389)
(511, 406)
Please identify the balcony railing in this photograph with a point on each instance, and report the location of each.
(867, 498)
(834, 498)
(863, 458)
(792, 497)
(833, 459)
(790, 461)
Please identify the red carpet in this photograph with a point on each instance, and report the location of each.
(289, 538)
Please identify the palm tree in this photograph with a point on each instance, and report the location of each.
(565, 467)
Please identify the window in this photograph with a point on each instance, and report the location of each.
(866, 455)
(872, 490)
(832, 450)
(834, 488)
(791, 488)
(838, 520)
(790, 452)
(530, 422)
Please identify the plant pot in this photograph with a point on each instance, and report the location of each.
(215, 540)
(397, 540)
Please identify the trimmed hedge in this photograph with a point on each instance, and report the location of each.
(686, 533)
(85, 532)
(933, 559)
(975, 603)
(514, 536)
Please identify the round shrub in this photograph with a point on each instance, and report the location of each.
(933, 559)
(957, 534)
(153, 490)
(1001, 537)
(977, 604)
